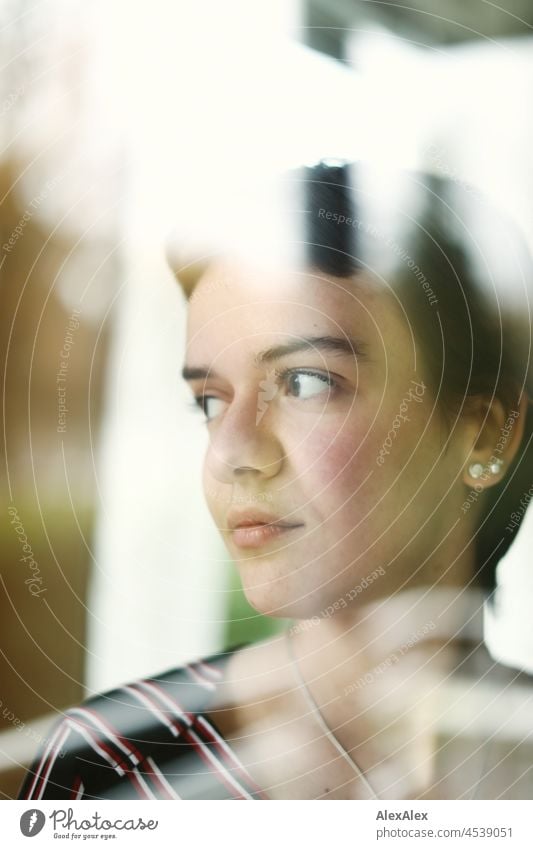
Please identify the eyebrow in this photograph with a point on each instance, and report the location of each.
(341, 345)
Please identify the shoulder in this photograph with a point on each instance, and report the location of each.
(151, 738)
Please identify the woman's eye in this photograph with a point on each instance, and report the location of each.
(304, 384)
(207, 403)
(300, 384)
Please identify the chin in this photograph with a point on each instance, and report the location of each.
(277, 601)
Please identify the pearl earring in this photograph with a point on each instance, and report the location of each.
(494, 467)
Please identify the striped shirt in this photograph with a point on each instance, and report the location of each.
(151, 739)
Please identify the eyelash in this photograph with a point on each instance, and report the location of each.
(198, 403)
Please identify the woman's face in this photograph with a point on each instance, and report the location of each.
(319, 415)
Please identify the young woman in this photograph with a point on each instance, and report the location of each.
(369, 433)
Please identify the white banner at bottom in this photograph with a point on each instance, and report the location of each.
(271, 825)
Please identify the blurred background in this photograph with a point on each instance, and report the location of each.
(121, 124)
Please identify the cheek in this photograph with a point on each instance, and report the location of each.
(339, 471)
(334, 462)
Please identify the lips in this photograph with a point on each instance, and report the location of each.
(254, 517)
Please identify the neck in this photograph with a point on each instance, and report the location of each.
(374, 674)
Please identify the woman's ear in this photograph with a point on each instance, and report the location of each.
(494, 434)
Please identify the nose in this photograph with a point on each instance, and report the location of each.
(243, 443)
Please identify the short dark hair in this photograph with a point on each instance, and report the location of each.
(437, 244)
